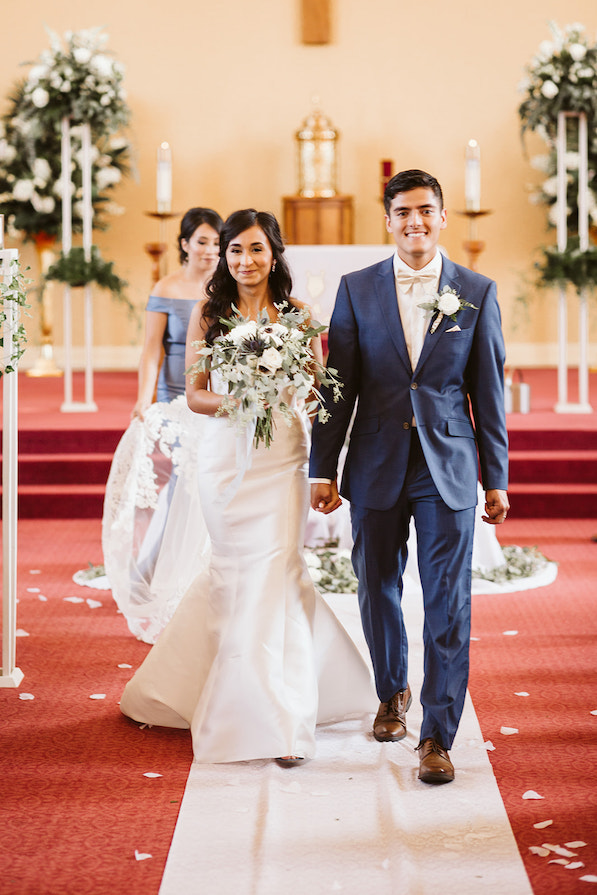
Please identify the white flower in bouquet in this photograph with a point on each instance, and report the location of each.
(270, 361)
(267, 366)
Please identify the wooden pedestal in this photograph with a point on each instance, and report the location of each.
(318, 221)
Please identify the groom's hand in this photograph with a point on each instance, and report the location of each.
(325, 497)
(496, 506)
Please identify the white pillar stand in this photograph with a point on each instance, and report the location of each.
(10, 675)
(563, 405)
(88, 405)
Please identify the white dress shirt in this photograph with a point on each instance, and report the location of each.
(415, 321)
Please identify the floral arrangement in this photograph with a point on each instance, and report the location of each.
(264, 364)
(444, 303)
(570, 266)
(520, 562)
(13, 289)
(77, 78)
(74, 269)
(330, 569)
(562, 76)
(80, 80)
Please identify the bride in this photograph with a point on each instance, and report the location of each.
(253, 657)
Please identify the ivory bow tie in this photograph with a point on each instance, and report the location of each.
(406, 280)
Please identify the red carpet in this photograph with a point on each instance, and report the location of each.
(75, 804)
(553, 658)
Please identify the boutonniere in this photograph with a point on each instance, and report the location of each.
(444, 303)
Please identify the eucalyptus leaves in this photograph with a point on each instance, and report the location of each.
(13, 289)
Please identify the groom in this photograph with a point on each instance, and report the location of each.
(428, 387)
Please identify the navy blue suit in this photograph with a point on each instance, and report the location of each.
(393, 472)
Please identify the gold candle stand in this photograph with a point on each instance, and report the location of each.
(473, 246)
(157, 250)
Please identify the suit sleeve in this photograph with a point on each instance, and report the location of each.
(485, 375)
(329, 437)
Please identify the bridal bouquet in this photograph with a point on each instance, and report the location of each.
(266, 365)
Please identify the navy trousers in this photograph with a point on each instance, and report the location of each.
(444, 552)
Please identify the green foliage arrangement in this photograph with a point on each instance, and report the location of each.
(13, 289)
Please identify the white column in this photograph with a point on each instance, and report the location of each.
(10, 675)
(88, 404)
(563, 405)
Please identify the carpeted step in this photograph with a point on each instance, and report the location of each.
(68, 441)
(68, 469)
(552, 439)
(60, 501)
(553, 466)
(544, 501)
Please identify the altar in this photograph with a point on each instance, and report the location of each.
(317, 269)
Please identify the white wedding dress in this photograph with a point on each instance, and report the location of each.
(253, 657)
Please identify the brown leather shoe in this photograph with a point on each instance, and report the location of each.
(390, 722)
(434, 763)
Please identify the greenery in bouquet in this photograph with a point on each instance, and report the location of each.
(267, 366)
(76, 79)
(13, 288)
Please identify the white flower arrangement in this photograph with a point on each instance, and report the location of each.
(267, 366)
(562, 76)
(446, 303)
(75, 77)
(62, 83)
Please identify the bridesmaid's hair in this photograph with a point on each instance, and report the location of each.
(411, 180)
(222, 289)
(193, 219)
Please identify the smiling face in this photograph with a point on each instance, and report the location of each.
(249, 257)
(203, 248)
(415, 220)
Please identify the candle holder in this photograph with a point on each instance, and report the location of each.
(385, 177)
(473, 246)
(157, 250)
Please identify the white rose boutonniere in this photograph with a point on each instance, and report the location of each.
(446, 303)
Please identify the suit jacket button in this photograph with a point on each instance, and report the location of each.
(414, 385)
(406, 425)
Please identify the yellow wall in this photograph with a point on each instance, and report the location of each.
(228, 83)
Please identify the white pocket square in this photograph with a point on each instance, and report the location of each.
(454, 329)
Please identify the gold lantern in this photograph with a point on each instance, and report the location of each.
(316, 141)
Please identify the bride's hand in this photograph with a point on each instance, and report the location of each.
(324, 497)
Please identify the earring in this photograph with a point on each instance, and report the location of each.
(273, 266)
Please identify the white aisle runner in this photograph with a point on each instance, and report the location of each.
(355, 820)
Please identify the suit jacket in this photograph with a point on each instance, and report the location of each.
(456, 392)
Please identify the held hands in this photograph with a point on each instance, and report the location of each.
(324, 497)
(496, 506)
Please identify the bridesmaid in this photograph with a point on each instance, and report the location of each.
(169, 309)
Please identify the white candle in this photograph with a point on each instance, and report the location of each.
(164, 179)
(472, 176)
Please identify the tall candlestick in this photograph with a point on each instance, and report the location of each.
(164, 179)
(472, 176)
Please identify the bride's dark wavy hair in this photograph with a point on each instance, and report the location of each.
(222, 289)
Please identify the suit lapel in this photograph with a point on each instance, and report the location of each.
(449, 277)
(386, 293)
